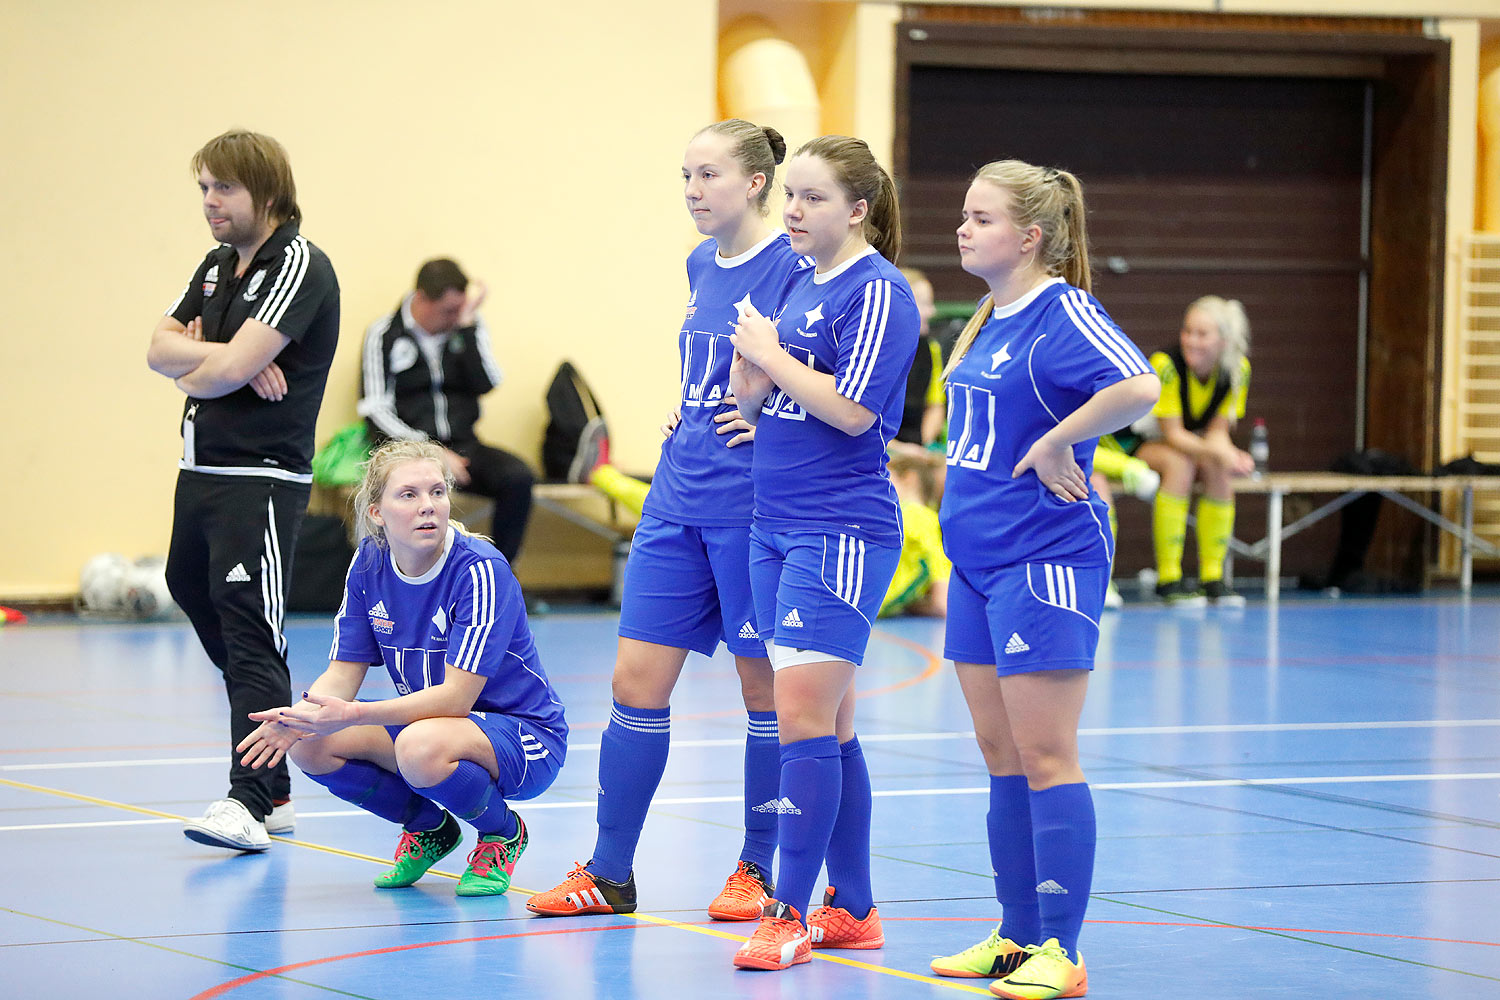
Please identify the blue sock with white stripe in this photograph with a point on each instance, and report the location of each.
(470, 794)
(762, 782)
(811, 779)
(849, 846)
(632, 757)
(1012, 858)
(1062, 825)
(387, 795)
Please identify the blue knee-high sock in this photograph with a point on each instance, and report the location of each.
(762, 783)
(1012, 858)
(383, 793)
(632, 757)
(470, 794)
(811, 776)
(849, 846)
(1062, 829)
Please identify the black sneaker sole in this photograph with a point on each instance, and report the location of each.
(198, 836)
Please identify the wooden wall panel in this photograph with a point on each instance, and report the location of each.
(1242, 179)
(1408, 221)
(1196, 185)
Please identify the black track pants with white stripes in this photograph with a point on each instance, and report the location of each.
(229, 568)
(507, 480)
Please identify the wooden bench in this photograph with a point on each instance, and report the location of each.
(578, 554)
(1348, 488)
(563, 499)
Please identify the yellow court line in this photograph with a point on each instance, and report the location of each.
(642, 917)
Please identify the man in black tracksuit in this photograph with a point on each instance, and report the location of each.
(249, 342)
(424, 368)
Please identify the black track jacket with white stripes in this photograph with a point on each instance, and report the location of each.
(404, 395)
(289, 286)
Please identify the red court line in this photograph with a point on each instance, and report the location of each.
(934, 664)
(1224, 926)
(235, 984)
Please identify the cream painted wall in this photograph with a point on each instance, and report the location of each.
(537, 143)
(1463, 181)
(824, 33)
(1487, 214)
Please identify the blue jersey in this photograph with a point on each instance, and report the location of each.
(699, 481)
(466, 612)
(857, 322)
(1036, 361)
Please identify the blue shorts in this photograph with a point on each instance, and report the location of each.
(528, 756)
(1040, 616)
(816, 590)
(689, 587)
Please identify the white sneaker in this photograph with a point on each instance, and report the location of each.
(227, 823)
(1112, 597)
(282, 819)
(1141, 480)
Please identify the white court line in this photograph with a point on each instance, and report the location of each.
(1103, 786)
(1322, 779)
(91, 764)
(1268, 727)
(1286, 727)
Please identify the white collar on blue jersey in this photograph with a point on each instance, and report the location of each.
(437, 567)
(1011, 308)
(741, 258)
(827, 276)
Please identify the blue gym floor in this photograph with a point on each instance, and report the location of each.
(1296, 802)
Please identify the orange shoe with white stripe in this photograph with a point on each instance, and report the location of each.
(780, 941)
(582, 893)
(834, 927)
(744, 895)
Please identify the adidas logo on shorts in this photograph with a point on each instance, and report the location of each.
(792, 620)
(747, 631)
(237, 575)
(1052, 887)
(1015, 644)
(779, 806)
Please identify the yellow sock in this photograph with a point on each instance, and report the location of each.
(1112, 462)
(627, 491)
(1169, 534)
(1215, 527)
(1114, 532)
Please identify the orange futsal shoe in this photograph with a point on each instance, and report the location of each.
(778, 943)
(831, 926)
(744, 895)
(582, 893)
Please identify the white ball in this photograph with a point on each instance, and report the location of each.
(146, 593)
(102, 584)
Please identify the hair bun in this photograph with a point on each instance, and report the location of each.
(777, 143)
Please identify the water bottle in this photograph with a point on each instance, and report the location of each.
(1260, 447)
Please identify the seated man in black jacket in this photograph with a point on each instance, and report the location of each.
(424, 368)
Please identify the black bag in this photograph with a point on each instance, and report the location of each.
(1467, 466)
(570, 406)
(319, 564)
(1357, 524)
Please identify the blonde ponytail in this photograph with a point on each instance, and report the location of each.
(970, 331)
